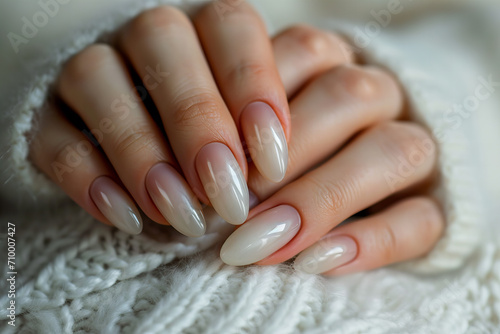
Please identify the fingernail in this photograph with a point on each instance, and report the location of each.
(223, 181)
(265, 140)
(175, 200)
(261, 236)
(116, 205)
(327, 254)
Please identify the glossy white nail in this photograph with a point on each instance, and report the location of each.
(327, 254)
(175, 200)
(116, 205)
(261, 236)
(223, 182)
(265, 140)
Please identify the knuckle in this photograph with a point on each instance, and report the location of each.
(158, 20)
(332, 197)
(85, 64)
(200, 109)
(393, 246)
(319, 43)
(313, 40)
(357, 82)
(407, 142)
(370, 90)
(70, 153)
(59, 153)
(391, 94)
(387, 243)
(247, 71)
(432, 220)
(134, 140)
(238, 11)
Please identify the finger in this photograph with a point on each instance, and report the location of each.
(164, 49)
(328, 112)
(303, 52)
(240, 54)
(406, 230)
(65, 155)
(383, 160)
(96, 84)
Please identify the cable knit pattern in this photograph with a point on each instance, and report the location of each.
(78, 276)
(94, 279)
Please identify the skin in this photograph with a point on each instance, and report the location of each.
(341, 116)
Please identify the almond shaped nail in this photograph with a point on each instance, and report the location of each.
(265, 140)
(327, 254)
(175, 200)
(223, 182)
(116, 205)
(261, 236)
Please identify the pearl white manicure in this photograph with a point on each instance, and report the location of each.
(223, 182)
(175, 200)
(261, 236)
(265, 140)
(116, 205)
(327, 254)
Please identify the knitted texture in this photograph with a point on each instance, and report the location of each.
(90, 278)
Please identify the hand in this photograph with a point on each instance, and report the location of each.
(166, 107)
(348, 111)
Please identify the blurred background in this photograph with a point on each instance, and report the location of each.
(74, 15)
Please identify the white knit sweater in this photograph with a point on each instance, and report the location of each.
(77, 275)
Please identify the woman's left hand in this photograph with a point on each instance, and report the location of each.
(349, 111)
